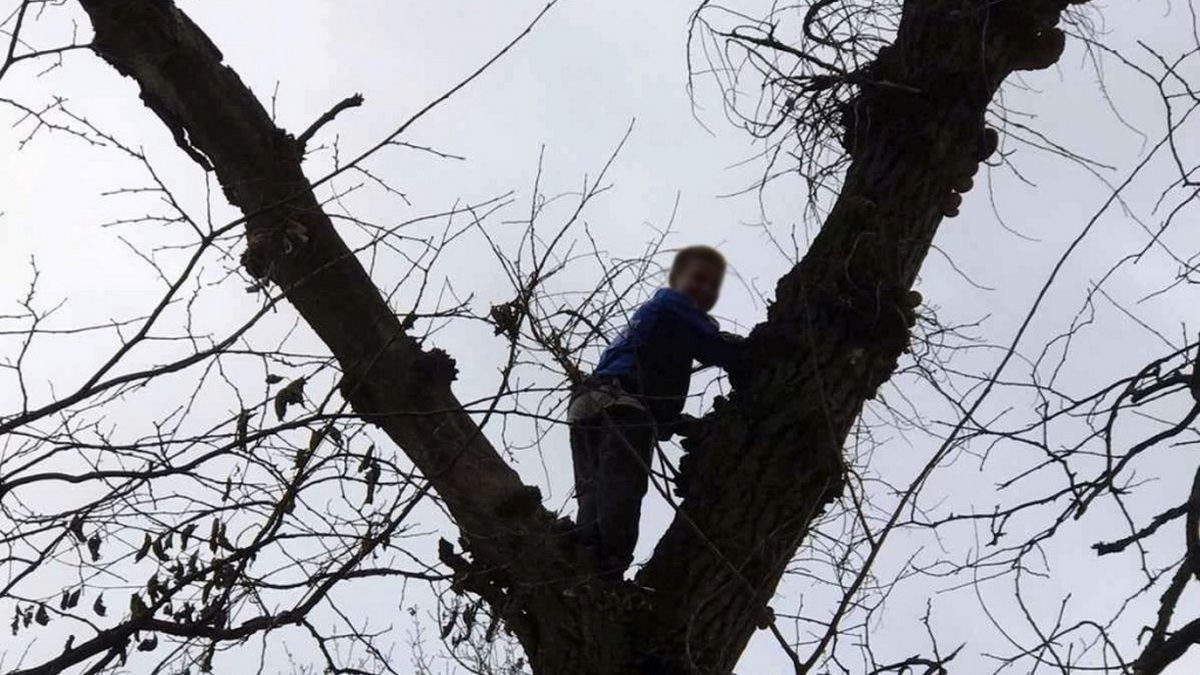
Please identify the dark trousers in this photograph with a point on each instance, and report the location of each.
(612, 452)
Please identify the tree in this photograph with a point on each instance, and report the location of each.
(910, 110)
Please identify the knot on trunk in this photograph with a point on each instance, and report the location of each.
(436, 367)
(265, 245)
(487, 583)
(521, 503)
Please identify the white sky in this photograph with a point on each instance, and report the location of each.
(574, 86)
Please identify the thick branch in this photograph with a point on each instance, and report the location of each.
(345, 104)
(773, 458)
(292, 242)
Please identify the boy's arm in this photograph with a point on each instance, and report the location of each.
(722, 350)
(641, 324)
(734, 358)
(711, 346)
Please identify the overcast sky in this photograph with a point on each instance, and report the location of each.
(573, 87)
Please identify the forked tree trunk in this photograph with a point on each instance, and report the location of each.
(772, 460)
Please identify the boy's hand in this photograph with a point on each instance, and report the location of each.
(733, 338)
(689, 426)
(739, 365)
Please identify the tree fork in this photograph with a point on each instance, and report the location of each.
(772, 458)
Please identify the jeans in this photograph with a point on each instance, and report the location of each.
(612, 452)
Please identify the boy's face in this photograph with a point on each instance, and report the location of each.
(700, 280)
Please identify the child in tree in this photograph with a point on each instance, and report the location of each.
(635, 397)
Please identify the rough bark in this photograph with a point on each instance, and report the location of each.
(388, 376)
(838, 323)
(773, 458)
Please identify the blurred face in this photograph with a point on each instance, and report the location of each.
(700, 280)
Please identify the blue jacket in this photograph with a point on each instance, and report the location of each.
(652, 358)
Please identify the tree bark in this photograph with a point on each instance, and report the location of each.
(389, 377)
(838, 324)
(772, 460)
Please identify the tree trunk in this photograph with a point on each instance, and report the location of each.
(772, 459)
(838, 324)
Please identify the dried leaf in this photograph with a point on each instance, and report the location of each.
(98, 606)
(137, 606)
(76, 528)
(366, 460)
(243, 429)
(372, 477)
(145, 548)
(469, 617)
(160, 551)
(185, 534)
(449, 625)
(228, 545)
(292, 394)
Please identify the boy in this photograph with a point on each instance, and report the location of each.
(635, 396)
